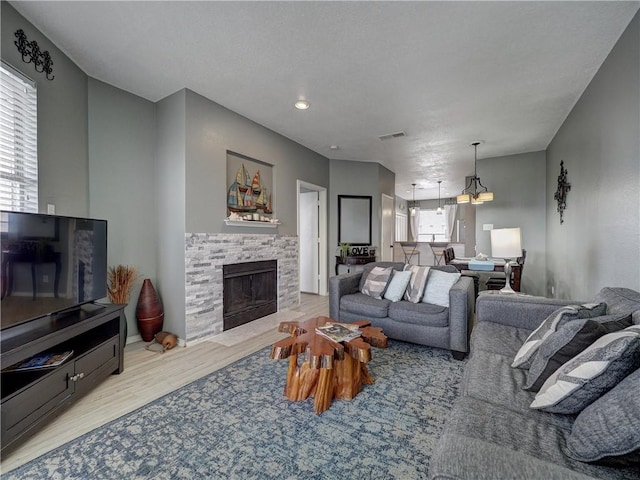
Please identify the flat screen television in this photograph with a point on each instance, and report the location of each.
(50, 264)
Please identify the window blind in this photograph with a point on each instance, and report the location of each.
(18, 142)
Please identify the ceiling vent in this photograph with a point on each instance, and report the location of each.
(389, 136)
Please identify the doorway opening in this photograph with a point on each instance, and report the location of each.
(312, 235)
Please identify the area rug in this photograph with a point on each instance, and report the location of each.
(236, 424)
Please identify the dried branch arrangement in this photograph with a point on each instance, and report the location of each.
(120, 281)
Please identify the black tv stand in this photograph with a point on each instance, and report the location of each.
(31, 398)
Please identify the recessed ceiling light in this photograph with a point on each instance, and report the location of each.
(301, 105)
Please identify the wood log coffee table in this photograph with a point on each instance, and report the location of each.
(329, 369)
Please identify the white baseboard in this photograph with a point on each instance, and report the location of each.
(133, 339)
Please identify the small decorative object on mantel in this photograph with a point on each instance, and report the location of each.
(149, 312)
(31, 53)
(561, 193)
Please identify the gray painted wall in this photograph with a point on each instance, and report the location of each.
(599, 243)
(63, 176)
(122, 137)
(211, 131)
(171, 212)
(357, 178)
(519, 186)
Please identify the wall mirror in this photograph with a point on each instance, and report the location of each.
(354, 219)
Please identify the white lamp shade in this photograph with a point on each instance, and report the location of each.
(506, 243)
(464, 198)
(485, 196)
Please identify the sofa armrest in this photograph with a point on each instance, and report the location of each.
(520, 311)
(340, 285)
(461, 299)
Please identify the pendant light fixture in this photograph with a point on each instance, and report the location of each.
(475, 193)
(439, 210)
(413, 204)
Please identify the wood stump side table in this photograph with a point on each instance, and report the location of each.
(329, 369)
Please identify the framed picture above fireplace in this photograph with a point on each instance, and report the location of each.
(354, 219)
(250, 187)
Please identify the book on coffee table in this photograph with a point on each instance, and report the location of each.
(339, 332)
(42, 360)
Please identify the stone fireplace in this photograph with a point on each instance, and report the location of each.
(249, 292)
(206, 254)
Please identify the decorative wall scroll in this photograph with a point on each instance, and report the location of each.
(561, 193)
(31, 54)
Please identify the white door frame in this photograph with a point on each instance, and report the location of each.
(390, 226)
(322, 232)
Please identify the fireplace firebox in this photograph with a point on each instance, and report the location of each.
(250, 291)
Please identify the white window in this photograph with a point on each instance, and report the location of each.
(432, 227)
(401, 227)
(18, 142)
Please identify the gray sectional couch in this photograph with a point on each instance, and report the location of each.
(492, 433)
(421, 323)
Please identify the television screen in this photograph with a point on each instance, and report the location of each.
(50, 264)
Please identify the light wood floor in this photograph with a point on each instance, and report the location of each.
(149, 375)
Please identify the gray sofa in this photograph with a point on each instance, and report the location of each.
(492, 433)
(421, 323)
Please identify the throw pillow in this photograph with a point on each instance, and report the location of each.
(418, 281)
(551, 324)
(608, 430)
(570, 339)
(591, 373)
(377, 281)
(438, 285)
(397, 285)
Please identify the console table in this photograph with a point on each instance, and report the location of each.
(353, 260)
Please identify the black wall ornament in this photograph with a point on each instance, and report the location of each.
(561, 193)
(31, 54)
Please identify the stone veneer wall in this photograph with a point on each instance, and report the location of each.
(206, 253)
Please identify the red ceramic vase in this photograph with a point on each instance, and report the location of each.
(149, 312)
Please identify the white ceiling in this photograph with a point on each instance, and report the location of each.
(447, 73)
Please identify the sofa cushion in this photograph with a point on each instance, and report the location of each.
(609, 428)
(551, 324)
(377, 281)
(619, 300)
(458, 456)
(438, 285)
(591, 373)
(361, 304)
(419, 313)
(370, 266)
(488, 377)
(397, 286)
(512, 446)
(571, 339)
(497, 338)
(418, 281)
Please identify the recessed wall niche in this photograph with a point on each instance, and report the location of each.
(250, 188)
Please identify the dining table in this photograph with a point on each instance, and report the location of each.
(489, 265)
